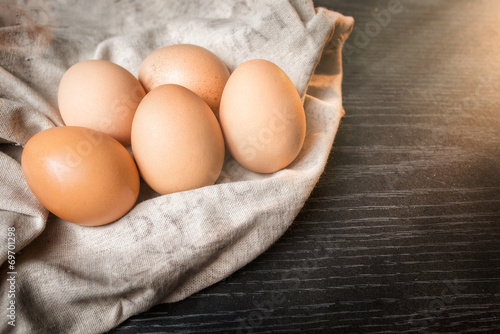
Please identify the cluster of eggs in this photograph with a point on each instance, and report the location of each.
(177, 119)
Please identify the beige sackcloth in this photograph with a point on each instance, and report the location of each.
(76, 279)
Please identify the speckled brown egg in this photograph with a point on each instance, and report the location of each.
(176, 140)
(188, 65)
(262, 117)
(100, 95)
(81, 175)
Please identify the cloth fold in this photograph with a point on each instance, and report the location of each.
(76, 279)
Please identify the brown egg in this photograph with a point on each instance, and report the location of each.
(81, 175)
(100, 95)
(188, 65)
(262, 117)
(176, 140)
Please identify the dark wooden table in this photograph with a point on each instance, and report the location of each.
(402, 232)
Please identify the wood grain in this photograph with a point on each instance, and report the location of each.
(402, 232)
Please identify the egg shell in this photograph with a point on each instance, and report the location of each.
(176, 140)
(262, 117)
(188, 65)
(100, 95)
(81, 175)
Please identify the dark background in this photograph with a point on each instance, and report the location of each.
(402, 232)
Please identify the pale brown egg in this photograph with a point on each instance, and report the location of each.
(176, 140)
(188, 65)
(100, 95)
(262, 117)
(81, 175)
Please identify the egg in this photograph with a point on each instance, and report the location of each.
(176, 140)
(262, 117)
(100, 95)
(188, 65)
(81, 175)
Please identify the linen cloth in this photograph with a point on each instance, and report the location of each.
(76, 279)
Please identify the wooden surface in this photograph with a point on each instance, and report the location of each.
(402, 232)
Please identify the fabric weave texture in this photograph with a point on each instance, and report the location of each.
(76, 279)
